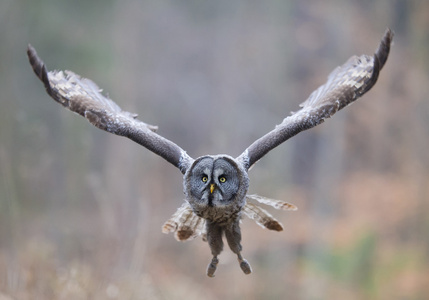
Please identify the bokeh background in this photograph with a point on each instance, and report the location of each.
(81, 210)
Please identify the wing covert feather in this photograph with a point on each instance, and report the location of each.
(185, 224)
(261, 217)
(344, 85)
(84, 97)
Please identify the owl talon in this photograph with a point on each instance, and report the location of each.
(245, 266)
(211, 268)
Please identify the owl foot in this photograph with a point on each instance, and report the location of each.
(211, 268)
(244, 265)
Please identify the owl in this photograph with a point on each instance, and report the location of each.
(215, 186)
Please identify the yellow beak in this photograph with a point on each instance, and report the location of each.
(212, 187)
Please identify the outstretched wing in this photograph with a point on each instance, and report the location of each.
(84, 97)
(344, 85)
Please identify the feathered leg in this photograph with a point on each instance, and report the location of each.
(233, 237)
(214, 239)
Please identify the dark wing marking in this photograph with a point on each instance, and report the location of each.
(84, 97)
(261, 217)
(344, 85)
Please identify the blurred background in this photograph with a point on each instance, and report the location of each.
(81, 210)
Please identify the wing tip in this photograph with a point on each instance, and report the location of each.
(36, 63)
(383, 49)
(39, 67)
(380, 58)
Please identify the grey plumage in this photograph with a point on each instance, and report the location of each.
(215, 186)
(344, 85)
(84, 97)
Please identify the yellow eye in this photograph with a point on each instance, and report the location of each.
(222, 179)
(205, 178)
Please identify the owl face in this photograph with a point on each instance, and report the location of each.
(215, 186)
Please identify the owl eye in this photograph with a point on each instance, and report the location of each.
(204, 178)
(222, 179)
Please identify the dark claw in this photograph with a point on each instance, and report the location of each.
(245, 266)
(211, 268)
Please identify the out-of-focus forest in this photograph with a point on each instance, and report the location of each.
(81, 210)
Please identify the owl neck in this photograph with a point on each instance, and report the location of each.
(220, 215)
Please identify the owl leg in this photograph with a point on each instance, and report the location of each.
(233, 237)
(214, 239)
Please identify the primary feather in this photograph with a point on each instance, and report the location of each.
(344, 85)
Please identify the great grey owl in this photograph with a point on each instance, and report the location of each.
(215, 186)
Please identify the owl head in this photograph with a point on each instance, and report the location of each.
(216, 187)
